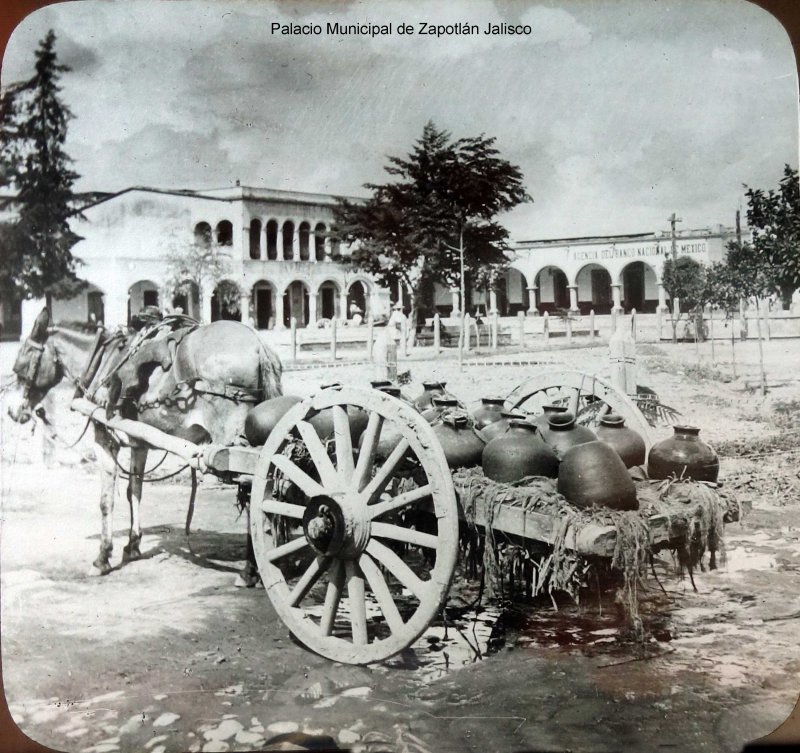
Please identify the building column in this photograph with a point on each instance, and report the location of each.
(205, 314)
(244, 307)
(456, 309)
(296, 241)
(662, 297)
(327, 251)
(616, 294)
(533, 308)
(573, 298)
(312, 307)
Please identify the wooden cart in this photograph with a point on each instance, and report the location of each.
(337, 538)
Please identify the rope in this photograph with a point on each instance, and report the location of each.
(126, 475)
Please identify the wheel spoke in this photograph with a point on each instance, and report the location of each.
(382, 593)
(366, 455)
(300, 478)
(327, 473)
(379, 481)
(344, 442)
(398, 568)
(401, 500)
(332, 597)
(290, 547)
(358, 605)
(274, 507)
(407, 535)
(308, 579)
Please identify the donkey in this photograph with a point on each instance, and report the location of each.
(231, 369)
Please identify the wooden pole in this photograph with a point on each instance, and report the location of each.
(633, 324)
(591, 326)
(466, 328)
(333, 339)
(767, 330)
(293, 329)
(404, 338)
(711, 334)
(494, 322)
(437, 335)
(760, 352)
(370, 333)
(521, 323)
(613, 321)
(659, 315)
(568, 328)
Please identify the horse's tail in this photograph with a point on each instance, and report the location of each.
(270, 371)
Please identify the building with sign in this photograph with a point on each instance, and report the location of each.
(598, 273)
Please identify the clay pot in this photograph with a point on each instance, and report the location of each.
(517, 453)
(262, 418)
(323, 421)
(685, 455)
(440, 404)
(562, 433)
(496, 428)
(378, 383)
(592, 473)
(429, 391)
(547, 411)
(489, 412)
(628, 443)
(462, 447)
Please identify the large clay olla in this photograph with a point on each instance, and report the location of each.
(593, 473)
(491, 410)
(683, 455)
(262, 418)
(518, 453)
(628, 443)
(462, 446)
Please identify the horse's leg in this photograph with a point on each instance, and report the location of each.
(249, 576)
(107, 450)
(135, 480)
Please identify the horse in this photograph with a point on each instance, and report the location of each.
(229, 369)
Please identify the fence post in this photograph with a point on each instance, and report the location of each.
(591, 326)
(493, 324)
(333, 339)
(659, 314)
(467, 332)
(767, 332)
(711, 333)
(437, 335)
(614, 315)
(370, 333)
(546, 328)
(293, 330)
(391, 359)
(633, 324)
(521, 322)
(568, 329)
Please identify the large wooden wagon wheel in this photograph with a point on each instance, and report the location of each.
(586, 396)
(328, 521)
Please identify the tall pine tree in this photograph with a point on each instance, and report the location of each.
(37, 179)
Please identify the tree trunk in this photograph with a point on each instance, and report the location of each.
(787, 291)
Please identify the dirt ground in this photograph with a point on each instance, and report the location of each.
(166, 654)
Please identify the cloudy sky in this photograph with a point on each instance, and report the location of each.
(618, 112)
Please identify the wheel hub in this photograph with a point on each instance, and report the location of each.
(336, 527)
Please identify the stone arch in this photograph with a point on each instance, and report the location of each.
(359, 293)
(272, 240)
(304, 239)
(264, 297)
(320, 234)
(328, 297)
(140, 294)
(225, 301)
(594, 289)
(553, 288)
(287, 237)
(639, 287)
(255, 239)
(512, 293)
(225, 233)
(295, 303)
(202, 234)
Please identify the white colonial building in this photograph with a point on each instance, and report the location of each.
(276, 244)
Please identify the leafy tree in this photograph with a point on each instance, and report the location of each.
(36, 175)
(774, 218)
(684, 279)
(435, 222)
(201, 264)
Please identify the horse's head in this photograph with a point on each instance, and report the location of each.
(37, 367)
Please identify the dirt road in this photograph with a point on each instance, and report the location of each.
(165, 654)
